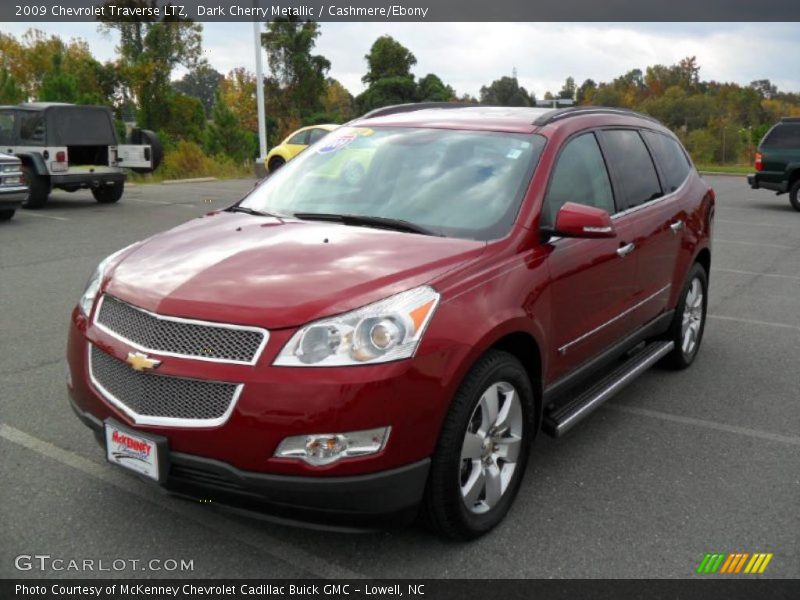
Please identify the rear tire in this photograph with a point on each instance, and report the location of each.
(483, 449)
(794, 195)
(108, 194)
(275, 163)
(6, 215)
(688, 324)
(38, 188)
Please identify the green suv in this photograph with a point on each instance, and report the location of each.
(778, 160)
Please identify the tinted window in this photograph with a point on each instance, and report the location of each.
(31, 128)
(580, 176)
(299, 138)
(670, 157)
(458, 183)
(6, 129)
(785, 135)
(631, 163)
(316, 134)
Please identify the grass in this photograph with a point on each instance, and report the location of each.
(737, 169)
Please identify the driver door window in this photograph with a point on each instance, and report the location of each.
(580, 176)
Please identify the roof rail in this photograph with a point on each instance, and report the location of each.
(410, 107)
(576, 111)
(790, 120)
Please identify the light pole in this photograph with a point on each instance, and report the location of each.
(262, 118)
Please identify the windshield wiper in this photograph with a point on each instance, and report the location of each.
(250, 211)
(368, 221)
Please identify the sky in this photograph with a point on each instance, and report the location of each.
(469, 55)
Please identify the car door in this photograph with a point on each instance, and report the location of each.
(650, 213)
(297, 143)
(592, 281)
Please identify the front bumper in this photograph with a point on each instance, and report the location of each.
(386, 497)
(12, 198)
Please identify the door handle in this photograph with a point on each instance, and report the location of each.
(626, 249)
(677, 226)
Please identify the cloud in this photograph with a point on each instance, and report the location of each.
(469, 55)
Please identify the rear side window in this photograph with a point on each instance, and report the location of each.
(785, 135)
(579, 176)
(6, 129)
(670, 157)
(316, 134)
(632, 166)
(31, 128)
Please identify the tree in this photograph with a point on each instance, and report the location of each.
(238, 90)
(387, 91)
(10, 92)
(149, 50)
(432, 89)
(226, 136)
(585, 92)
(338, 102)
(58, 86)
(187, 118)
(297, 74)
(202, 82)
(764, 87)
(568, 90)
(506, 91)
(387, 59)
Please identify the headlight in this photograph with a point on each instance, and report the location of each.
(93, 285)
(381, 332)
(10, 168)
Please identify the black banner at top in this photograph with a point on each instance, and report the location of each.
(36, 11)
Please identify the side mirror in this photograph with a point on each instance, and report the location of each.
(581, 221)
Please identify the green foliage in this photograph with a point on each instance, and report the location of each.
(388, 59)
(10, 91)
(202, 82)
(432, 89)
(387, 91)
(186, 119)
(226, 136)
(506, 91)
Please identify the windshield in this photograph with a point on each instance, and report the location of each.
(456, 183)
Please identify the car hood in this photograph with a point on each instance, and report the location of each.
(273, 273)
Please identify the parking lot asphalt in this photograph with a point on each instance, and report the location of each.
(677, 465)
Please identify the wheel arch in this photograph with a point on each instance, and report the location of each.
(704, 258)
(524, 347)
(33, 160)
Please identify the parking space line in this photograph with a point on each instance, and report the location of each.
(758, 244)
(755, 322)
(755, 273)
(286, 553)
(28, 213)
(792, 440)
(776, 225)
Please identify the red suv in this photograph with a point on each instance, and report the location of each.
(385, 323)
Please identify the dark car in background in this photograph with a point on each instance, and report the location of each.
(778, 161)
(73, 147)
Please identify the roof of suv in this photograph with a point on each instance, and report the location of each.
(521, 119)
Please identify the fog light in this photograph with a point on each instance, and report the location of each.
(326, 448)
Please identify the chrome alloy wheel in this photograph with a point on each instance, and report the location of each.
(491, 447)
(692, 317)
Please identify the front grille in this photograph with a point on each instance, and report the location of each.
(179, 337)
(151, 398)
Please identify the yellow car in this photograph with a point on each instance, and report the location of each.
(295, 143)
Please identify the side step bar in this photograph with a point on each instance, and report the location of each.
(565, 417)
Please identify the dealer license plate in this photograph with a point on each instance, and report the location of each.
(132, 451)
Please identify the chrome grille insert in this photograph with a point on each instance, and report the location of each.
(151, 399)
(176, 336)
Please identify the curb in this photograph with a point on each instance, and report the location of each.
(192, 180)
(718, 174)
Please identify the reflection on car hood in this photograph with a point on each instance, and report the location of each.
(239, 268)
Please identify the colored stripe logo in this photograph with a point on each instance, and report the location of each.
(734, 563)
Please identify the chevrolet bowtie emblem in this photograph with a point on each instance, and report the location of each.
(140, 361)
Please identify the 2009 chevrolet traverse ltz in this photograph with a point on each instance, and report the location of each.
(386, 322)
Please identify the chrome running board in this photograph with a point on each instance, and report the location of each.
(565, 417)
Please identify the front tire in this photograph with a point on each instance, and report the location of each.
(38, 188)
(275, 163)
(483, 449)
(794, 195)
(689, 321)
(108, 194)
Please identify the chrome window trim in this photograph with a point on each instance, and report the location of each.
(563, 349)
(638, 207)
(264, 333)
(162, 421)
